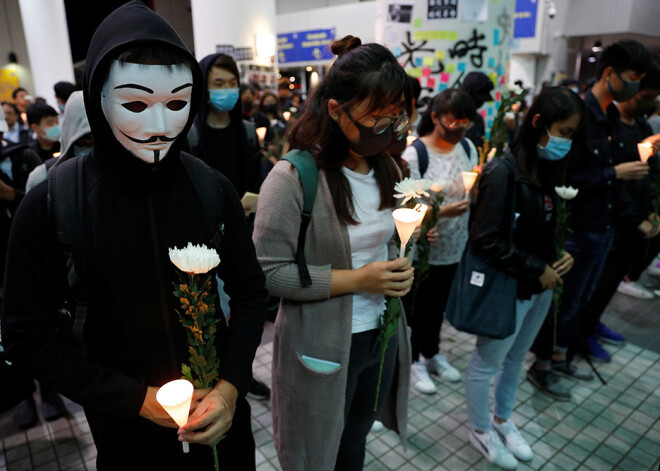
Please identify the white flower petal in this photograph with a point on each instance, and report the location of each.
(194, 258)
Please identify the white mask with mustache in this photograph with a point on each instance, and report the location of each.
(147, 106)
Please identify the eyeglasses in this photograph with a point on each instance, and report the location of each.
(458, 123)
(381, 123)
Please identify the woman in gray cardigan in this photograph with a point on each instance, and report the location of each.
(325, 353)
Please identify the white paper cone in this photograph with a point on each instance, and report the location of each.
(468, 180)
(175, 397)
(645, 150)
(406, 220)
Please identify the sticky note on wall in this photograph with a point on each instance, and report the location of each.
(428, 61)
(496, 37)
(417, 22)
(418, 61)
(450, 68)
(498, 95)
(426, 72)
(442, 86)
(444, 77)
(430, 83)
(461, 66)
(491, 62)
(440, 55)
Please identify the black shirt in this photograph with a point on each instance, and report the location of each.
(227, 152)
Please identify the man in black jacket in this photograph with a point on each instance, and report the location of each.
(591, 169)
(141, 87)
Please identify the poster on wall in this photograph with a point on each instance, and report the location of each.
(442, 9)
(399, 12)
(8, 83)
(440, 54)
(524, 24)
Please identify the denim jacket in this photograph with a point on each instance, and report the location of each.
(591, 169)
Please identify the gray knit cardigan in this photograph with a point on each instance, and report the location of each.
(308, 405)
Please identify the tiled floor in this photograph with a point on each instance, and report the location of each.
(603, 428)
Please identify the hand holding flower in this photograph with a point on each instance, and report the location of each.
(564, 264)
(433, 236)
(212, 416)
(550, 279)
(391, 278)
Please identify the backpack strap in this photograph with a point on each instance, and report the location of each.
(308, 172)
(209, 193)
(422, 156)
(466, 147)
(66, 209)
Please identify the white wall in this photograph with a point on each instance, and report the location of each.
(12, 39)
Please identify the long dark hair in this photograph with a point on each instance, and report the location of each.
(553, 104)
(453, 101)
(361, 72)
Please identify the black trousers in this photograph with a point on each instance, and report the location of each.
(359, 414)
(141, 444)
(426, 310)
(619, 263)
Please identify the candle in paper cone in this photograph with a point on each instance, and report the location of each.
(175, 397)
(286, 115)
(468, 180)
(410, 139)
(406, 220)
(421, 209)
(645, 150)
(261, 132)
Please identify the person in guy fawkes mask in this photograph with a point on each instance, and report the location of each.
(141, 88)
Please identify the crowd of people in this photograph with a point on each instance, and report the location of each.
(159, 150)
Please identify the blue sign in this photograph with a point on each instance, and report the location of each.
(524, 19)
(305, 46)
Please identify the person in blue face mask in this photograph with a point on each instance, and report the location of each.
(220, 136)
(227, 142)
(45, 125)
(518, 190)
(595, 170)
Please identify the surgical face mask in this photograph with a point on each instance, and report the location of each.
(147, 106)
(53, 133)
(575, 90)
(628, 91)
(78, 150)
(61, 107)
(223, 99)
(556, 148)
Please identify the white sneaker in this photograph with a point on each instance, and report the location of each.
(377, 427)
(439, 366)
(654, 268)
(490, 445)
(634, 289)
(512, 439)
(420, 379)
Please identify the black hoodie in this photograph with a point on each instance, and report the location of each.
(242, 163)
(134, 212)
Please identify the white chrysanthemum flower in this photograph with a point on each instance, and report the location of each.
(566, 192)
(195, 259)
(409, 188)
(517, 89)
(510, 115)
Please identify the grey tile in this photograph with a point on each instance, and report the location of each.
(608, 454)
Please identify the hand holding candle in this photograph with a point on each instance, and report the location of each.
(175, 397)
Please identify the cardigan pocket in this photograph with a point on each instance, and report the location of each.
(317, 373)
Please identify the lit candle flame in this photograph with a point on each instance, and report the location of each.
(286, 115)
(645, 150)
(261, 132)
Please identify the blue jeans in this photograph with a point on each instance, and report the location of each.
(503, 358)
(590, 250)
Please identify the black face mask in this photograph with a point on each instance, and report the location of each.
(270, 109)
(370, 143)
(452, 136)
(398, 145)
(247, 105)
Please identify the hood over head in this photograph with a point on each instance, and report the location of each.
(131, 26)
(74, 122)
(236, 113)
(478, 85)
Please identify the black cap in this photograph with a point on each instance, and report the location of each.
(63, 90)
(478, 86)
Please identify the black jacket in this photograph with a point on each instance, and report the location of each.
(248, 160)
(532, 248)
(591, 169)
(134, 212)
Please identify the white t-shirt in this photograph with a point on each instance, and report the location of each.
(447, 168)
(368, 241)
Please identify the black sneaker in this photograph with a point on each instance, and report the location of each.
(569, 370)
(52, 407)
(548, 383)
(25, 414)
(258, 391)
